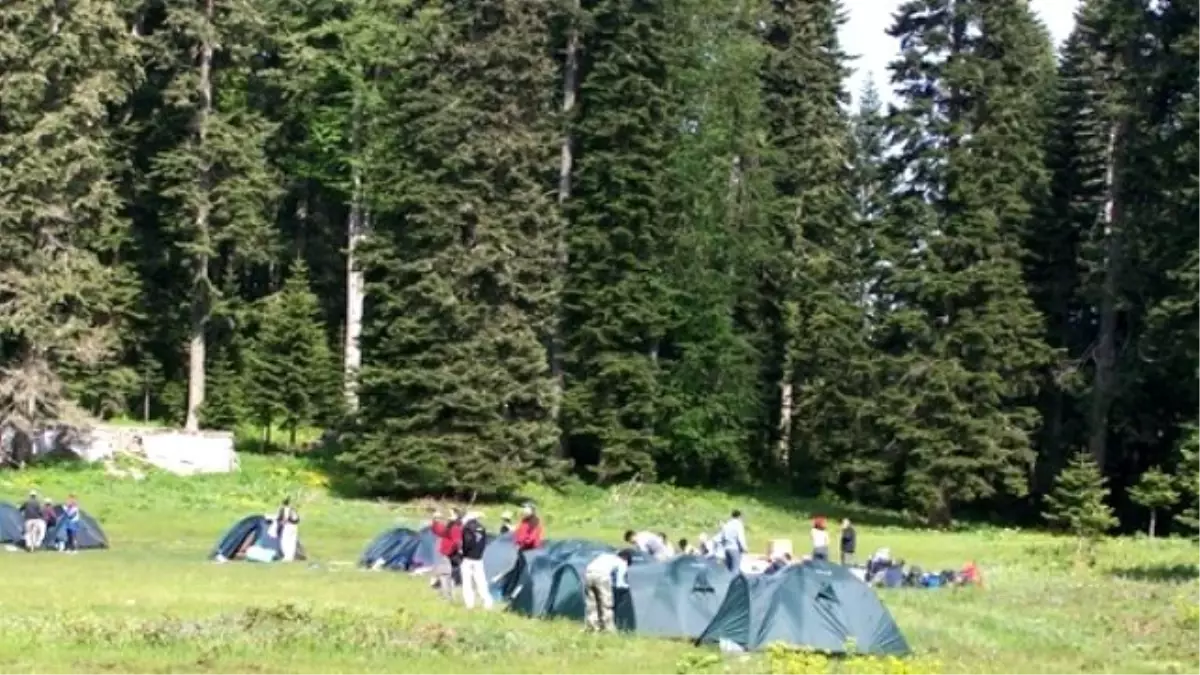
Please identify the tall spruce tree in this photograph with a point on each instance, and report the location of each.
(964, 340)
(217, 191)
(456, 391)
(710, 403)
(333, 54)
(868, 472)
(812, 283)
(1158, 373)
(617, 301)
(63, 289)
(1074, 200)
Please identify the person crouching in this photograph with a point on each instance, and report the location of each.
(606, 573)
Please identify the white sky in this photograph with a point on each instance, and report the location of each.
(865, 36)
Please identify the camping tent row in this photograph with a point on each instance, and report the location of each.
(88, 536)
(815, 605)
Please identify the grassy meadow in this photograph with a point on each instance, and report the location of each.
(154, 604)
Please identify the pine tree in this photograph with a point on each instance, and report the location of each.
(1074, 156)
(1154, 491)
(965, 340)
(1077, 502)
(868, 472)
(1188, 479)
(455, 390)
(225, 404)
(294, 377)
(617, 302)
(216, 187)
(710, 403)
(1158, 376)
(813, 282)
(63, 291)
(333, 55)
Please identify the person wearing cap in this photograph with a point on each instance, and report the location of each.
(820, 539)
(474, 578)
(35, 522)
(449, 534)
(505, 523)
(529, 531)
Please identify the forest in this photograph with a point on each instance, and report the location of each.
(494, 242)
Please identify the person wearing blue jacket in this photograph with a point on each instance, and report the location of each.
(71, 522)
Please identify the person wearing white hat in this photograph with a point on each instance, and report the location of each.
(505, 523)
(474, 578)
(529, 531)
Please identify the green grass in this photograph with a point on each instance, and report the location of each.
(153, 603)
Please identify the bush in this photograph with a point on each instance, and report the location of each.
(784, 660)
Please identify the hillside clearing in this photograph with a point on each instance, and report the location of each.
(153, 603)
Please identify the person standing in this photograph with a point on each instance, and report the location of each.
(287, 524)
(820, 539)
(602, 576)
(505, 523)
(731, 540)
(449, 534)
(529, 531)
(71, 520)
(849, 542)
(50, 515)
(474, 578)
(35, 523)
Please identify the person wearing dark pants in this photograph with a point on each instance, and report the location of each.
(71, 524)
(849, 542)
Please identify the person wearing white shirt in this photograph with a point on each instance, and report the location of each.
(648, 543)
(604, 574)
(731, 540)
(820, 539)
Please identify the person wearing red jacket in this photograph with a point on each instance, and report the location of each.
(449, 534)
(529, 530)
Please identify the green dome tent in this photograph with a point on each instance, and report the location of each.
(535, 581)
(815, 605)
(677, 598)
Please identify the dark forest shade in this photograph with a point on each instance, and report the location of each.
(929, 305)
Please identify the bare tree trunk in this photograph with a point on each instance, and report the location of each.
(1104, 384)
(1153, 521)
(357, 226)
(786, 404)
(570, 92)
(356, 231)
(197, 346)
